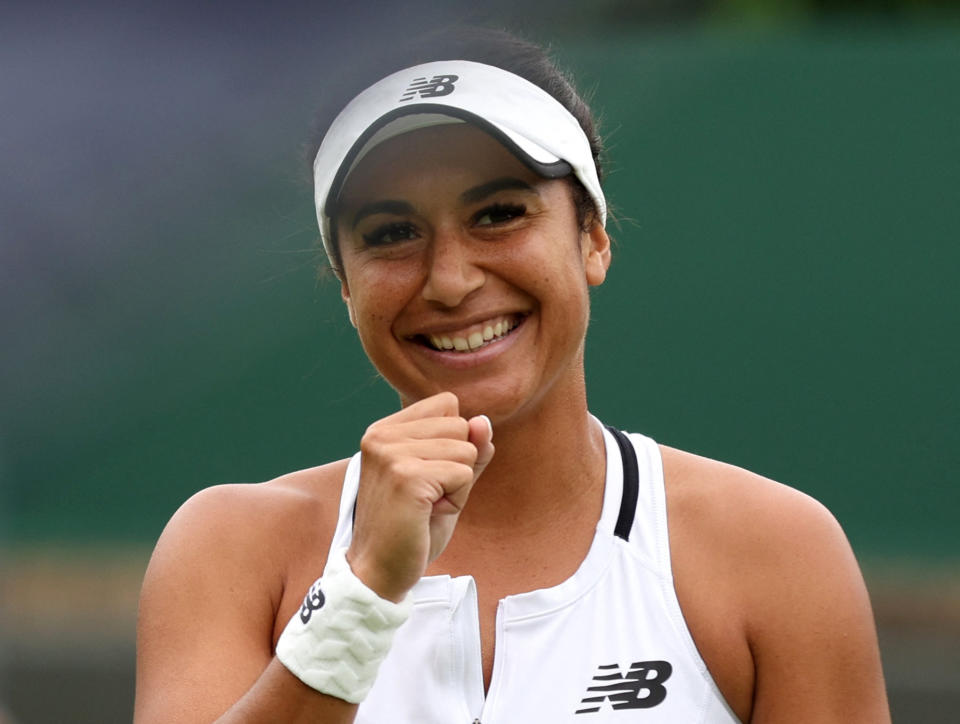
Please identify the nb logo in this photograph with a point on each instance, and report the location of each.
(640, 688)
(311, 602)
(439, 85)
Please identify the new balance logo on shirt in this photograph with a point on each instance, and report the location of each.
(640, 688)
(439, 85)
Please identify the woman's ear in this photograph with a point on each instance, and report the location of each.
(596, 254)
(345, 295)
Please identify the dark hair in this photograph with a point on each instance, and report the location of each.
(482, 45)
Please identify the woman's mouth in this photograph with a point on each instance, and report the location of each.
(473, 337)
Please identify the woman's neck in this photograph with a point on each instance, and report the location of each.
(549, 464)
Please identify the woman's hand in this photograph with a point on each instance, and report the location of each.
(418, 467)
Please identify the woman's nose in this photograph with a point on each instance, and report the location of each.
(452, 273)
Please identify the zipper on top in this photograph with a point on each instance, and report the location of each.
(489, 702)
(472, 662)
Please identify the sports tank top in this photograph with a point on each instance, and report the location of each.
(609, 645)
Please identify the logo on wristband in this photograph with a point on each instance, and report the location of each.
(311, 602)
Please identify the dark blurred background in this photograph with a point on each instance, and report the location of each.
(787, 182)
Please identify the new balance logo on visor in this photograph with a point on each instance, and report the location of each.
(640, 688)
(439, 85)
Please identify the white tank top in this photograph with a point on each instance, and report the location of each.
(609, 645)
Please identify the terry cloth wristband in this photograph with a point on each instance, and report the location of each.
(341, 633)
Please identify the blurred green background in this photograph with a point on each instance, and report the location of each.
(786, 182)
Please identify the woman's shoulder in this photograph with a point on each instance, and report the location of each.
(251, 531)
(748, 529)
(741, 509)
(245, 511)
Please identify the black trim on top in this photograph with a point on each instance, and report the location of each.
(631, 485)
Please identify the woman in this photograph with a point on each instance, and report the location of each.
(493, 553)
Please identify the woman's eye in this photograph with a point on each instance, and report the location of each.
(500, 213)
(390, 234)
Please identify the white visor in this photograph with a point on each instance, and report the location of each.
(530, 122)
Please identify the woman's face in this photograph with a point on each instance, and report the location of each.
(465, 271)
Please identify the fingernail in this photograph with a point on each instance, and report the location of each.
(489, 425)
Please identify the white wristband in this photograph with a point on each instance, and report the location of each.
(338, 638)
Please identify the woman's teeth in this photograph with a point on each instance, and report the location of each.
(475, 337)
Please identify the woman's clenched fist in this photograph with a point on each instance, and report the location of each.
(417, 469)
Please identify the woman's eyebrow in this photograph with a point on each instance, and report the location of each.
(386, 206)
(470, 196)
(478, 193)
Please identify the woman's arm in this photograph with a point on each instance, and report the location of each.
(208, 611)
(773, 596)
(810, 625)
(213, 598)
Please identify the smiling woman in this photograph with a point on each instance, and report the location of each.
(443, 233)
(493, 553)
